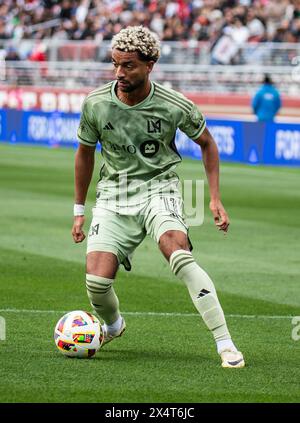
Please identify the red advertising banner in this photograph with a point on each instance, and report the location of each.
(49, 99)
(44, 99)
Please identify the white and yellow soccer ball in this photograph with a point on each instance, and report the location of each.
(78, 334)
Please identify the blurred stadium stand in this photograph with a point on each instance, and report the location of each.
(215, 51)
(183, 66)
(173, 20)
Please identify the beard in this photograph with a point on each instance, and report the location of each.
(129, 87)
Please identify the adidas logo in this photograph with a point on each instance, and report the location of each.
(108, 126)
(202, 293)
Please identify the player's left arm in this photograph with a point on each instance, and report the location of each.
(210, 157)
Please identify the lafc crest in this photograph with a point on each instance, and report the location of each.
(154, 126)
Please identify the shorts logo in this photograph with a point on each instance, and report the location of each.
(94, 230)
(149, 148)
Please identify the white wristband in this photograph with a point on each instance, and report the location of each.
(78, 209)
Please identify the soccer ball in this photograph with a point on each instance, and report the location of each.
(78, 334)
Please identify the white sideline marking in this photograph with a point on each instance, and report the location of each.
(148, 313)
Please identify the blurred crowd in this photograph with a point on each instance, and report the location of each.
(173, 20)
(226, 24)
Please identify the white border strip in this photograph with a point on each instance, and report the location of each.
(150, 313)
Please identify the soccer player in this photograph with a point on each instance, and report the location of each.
(135, 121)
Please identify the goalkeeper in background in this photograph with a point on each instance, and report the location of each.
(135, 120)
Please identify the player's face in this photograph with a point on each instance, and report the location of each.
(131, 72)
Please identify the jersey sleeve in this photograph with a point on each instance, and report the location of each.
(87, 132)
(193, 123)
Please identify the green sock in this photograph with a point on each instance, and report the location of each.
(202, 292)
(103, 298)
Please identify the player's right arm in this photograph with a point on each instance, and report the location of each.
(84, 166)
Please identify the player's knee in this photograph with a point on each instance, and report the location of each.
(175, 238)
(171, 241)
(102, 264)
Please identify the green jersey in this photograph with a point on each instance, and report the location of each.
(137, 142)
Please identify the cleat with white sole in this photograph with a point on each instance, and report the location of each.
(232, 359)
(108, 337)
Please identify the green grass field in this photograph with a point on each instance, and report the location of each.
(161, 357)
